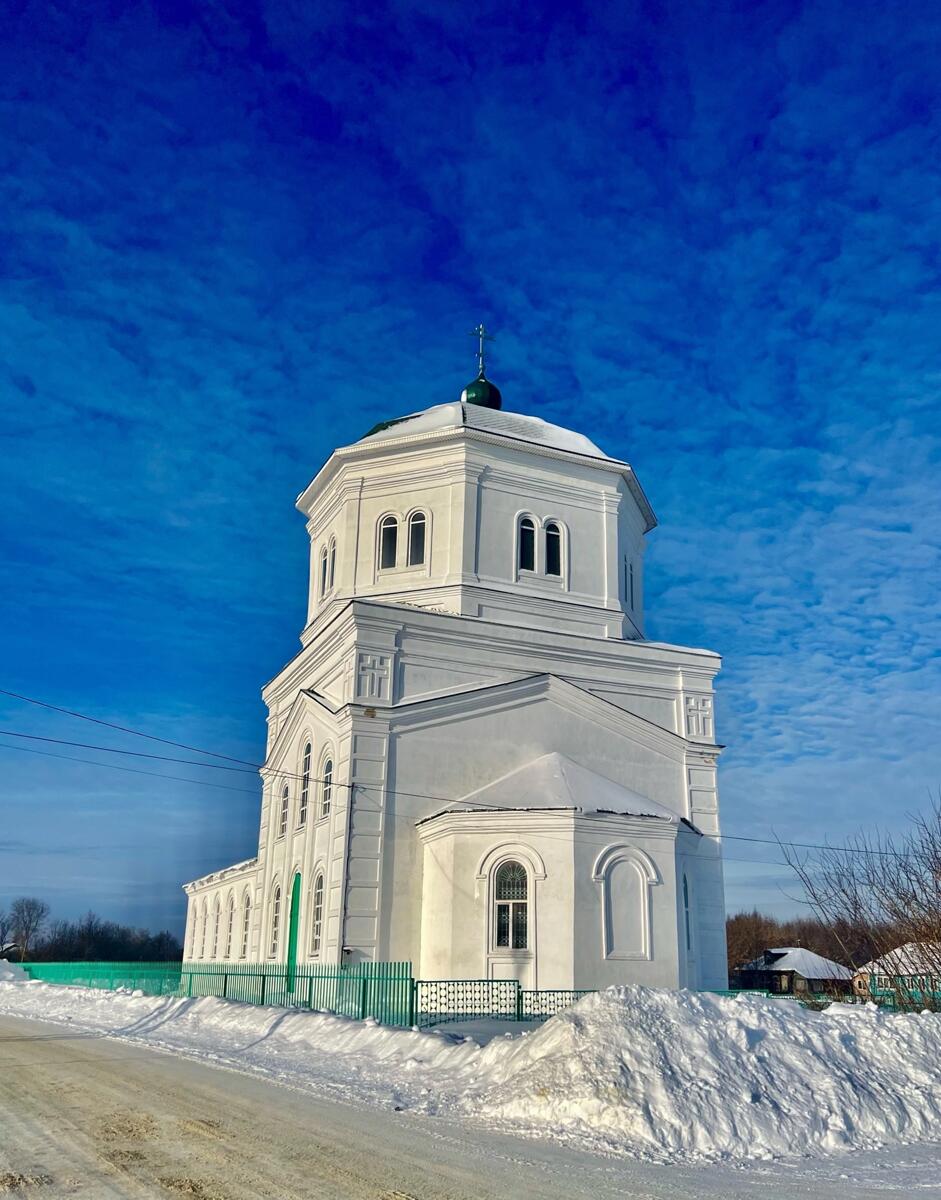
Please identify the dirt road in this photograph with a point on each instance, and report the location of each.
(94, 1118)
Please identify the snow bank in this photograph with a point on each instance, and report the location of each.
(667, 1076)
(10, 972)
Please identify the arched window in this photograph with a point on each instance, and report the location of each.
(229, 926)
(553, 549)
(388, 542)
(326, 788)
(283, 816)
(205, 930)
(246, 924)
(324, 566)
(215, 929)
(416, 539)
(316, 926)
(526, 553)
(275, 920)
(305, 787)
(190, 930)
(333, 564)
(510, 888)
(689, 933)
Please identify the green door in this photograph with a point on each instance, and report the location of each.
(292, 930)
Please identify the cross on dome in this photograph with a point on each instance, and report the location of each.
(482, 392)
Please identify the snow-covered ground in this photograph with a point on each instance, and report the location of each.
(657, 1075)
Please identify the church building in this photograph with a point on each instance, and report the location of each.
(477, 762)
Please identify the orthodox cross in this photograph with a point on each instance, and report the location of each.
(482, 336)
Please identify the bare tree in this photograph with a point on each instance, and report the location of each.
(890, 888)
(28, 915)
(6, 929)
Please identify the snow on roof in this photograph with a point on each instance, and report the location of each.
(555, 781)
(914, 958)
(516, 425)
(804, 962)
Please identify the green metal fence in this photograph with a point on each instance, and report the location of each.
(151, 978)
(441, 1001)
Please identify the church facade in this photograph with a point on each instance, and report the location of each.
(477, 762)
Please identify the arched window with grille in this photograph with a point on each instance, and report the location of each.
(246, 925)
(388, 543)
(275, 920)
(416, 539)
(305, 786)
(216, 913)
(326, 787)
(526, 548)
(283, 814)
(316, 923)
(204, 930)
(686, 915)
(332, 573)
(324, 567)
(229, 925)
(553, 549)
(190, 931)
(511, 906)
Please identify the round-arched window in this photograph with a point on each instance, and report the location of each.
(526, 550)
(511, 906)
(553, 549)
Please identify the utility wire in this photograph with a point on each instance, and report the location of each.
(69, 712)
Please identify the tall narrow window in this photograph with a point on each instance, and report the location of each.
(326, 786)
(630, 576)
(190, 932)
(388, 542)
(283, 815)
(333, 564)
(305, 787)
(323, 571)
(215, 930)
(229, 926)
(689, 936)
(316, 936)
(246, 924)
(511, 905)
(416, 539)
(205, 929)
(275, 920)
(526, 555)
(553, 549)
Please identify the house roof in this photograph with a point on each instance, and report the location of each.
(803, 962)
(555, 781)
(914, 958)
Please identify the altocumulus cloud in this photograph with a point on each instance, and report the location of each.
(236, 235)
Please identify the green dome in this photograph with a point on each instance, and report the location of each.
(482, 393)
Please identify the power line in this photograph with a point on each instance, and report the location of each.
(69, 712)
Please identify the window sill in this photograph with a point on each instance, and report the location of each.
(412, 569)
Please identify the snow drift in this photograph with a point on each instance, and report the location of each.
(666, 1076)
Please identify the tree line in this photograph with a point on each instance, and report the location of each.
(850, 943)
(26, 932)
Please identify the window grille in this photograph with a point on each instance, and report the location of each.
(527, 545)
(229, 926)
(275, 921)
(323, 571)
(388, 542)
(333, 563)
(283, 818)
(205, 929)
(510, 897)
(305, 787)
(416, 539)
(326, 792)
(215, 929)
(246, 924)
(553, 549)
(317, 923)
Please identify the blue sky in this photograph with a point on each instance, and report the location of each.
(236, 234)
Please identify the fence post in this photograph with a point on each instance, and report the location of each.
(189, 984)
(225, 984)
(362, 993)
(519, 1003)
(412, 1001)
(264, 976)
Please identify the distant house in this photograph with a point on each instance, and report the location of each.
(913, 969)
(792, 970)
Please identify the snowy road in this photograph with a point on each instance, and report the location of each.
(88, 1116)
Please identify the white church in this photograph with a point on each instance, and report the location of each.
(477, 762)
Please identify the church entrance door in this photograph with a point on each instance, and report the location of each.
(292, 930)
